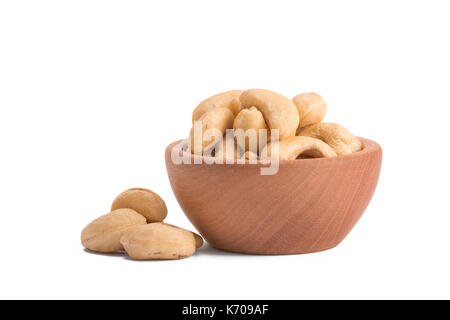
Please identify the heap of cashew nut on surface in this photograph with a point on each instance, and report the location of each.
(262, 124)
(135, 224)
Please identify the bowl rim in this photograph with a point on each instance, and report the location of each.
(368, 146)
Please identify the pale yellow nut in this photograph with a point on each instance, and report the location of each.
(249, 155)
(253, 120)
(198, 238)
(144, 201)
(158, 241)
(223, 150)
(103, 234)
(279, 112)
(295, 147)
(218, 119)
(335, 135)
(227, 99)
(311, 108)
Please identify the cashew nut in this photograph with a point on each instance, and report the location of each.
(158, 241)
(294, 147)
(198, 238)
(278, 111)
(223, 150)
(311, 108)
(144, 201)
(213, 125)
(250, 121)
(335, 135)
(103, 234)
(227, 99)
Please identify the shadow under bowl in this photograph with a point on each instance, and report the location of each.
(309, 205)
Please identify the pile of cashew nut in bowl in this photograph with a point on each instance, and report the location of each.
(261, 124)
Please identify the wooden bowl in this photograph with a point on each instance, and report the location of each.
(310, 205)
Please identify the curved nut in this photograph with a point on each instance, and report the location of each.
(198, 238)
(158, 241)
(311, 108)
(218, 119)
(335, 135)
(143, 201)
(279, 112)
(294, 147)
(249, 119)
(103, 234)
(224, 152)
(227, 99)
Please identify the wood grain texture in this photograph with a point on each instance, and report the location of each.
(310, 205)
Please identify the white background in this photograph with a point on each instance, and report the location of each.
(91, 92)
